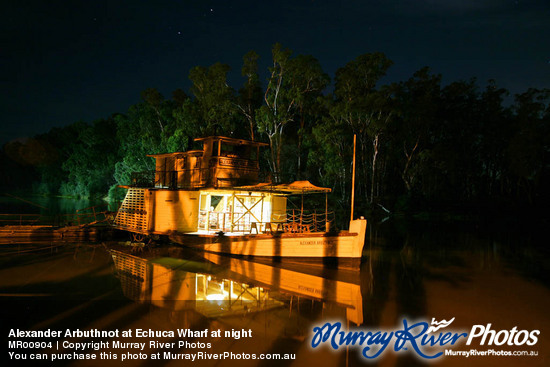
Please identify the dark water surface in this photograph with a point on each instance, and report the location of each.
(408, 271)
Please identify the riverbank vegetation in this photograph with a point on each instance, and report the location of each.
(421, 145)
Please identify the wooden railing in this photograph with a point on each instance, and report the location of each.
(169, 179)
(293, 221)
(307, 220)
(19, 219)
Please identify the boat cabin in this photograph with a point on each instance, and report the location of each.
(222, 162)
(211, 190)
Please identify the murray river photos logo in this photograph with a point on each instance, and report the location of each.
(428, 341)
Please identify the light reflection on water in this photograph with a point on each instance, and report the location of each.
(424, 275)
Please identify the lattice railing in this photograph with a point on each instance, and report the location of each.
(132, 215)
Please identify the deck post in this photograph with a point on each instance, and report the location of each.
(353, 178)
(302, 209)
(326, 212)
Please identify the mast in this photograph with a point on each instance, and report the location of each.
(353, 178)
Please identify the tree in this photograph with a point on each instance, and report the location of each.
(154, 99)
(90, 164)
(215, 106)
(293, 86)
(250, 95)
(61, 140)
(363, 108)
(331, 151)
(529, 147)
(279, 107)
(418, 99)
(496, 131)
(179, 97)
(307, 83)
(455, 142)
(143, 130)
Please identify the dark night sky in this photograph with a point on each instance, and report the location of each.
(64, 61)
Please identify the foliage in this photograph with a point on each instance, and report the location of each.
(292, 87)
(215, 110)
(366, 110)
(250, 95)
(420, 143)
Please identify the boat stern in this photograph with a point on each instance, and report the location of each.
(358, 226)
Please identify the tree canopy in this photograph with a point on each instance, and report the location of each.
(418, 141)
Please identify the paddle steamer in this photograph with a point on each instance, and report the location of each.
(211, 199)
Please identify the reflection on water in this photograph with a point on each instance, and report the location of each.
(171, 283)
(218, 286)
(424, 274)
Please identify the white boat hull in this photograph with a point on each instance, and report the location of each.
(293, 245)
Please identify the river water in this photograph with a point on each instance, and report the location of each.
(412, 272)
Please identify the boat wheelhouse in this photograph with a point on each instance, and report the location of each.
(213, 195)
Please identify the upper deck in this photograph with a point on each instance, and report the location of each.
(222, 163)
